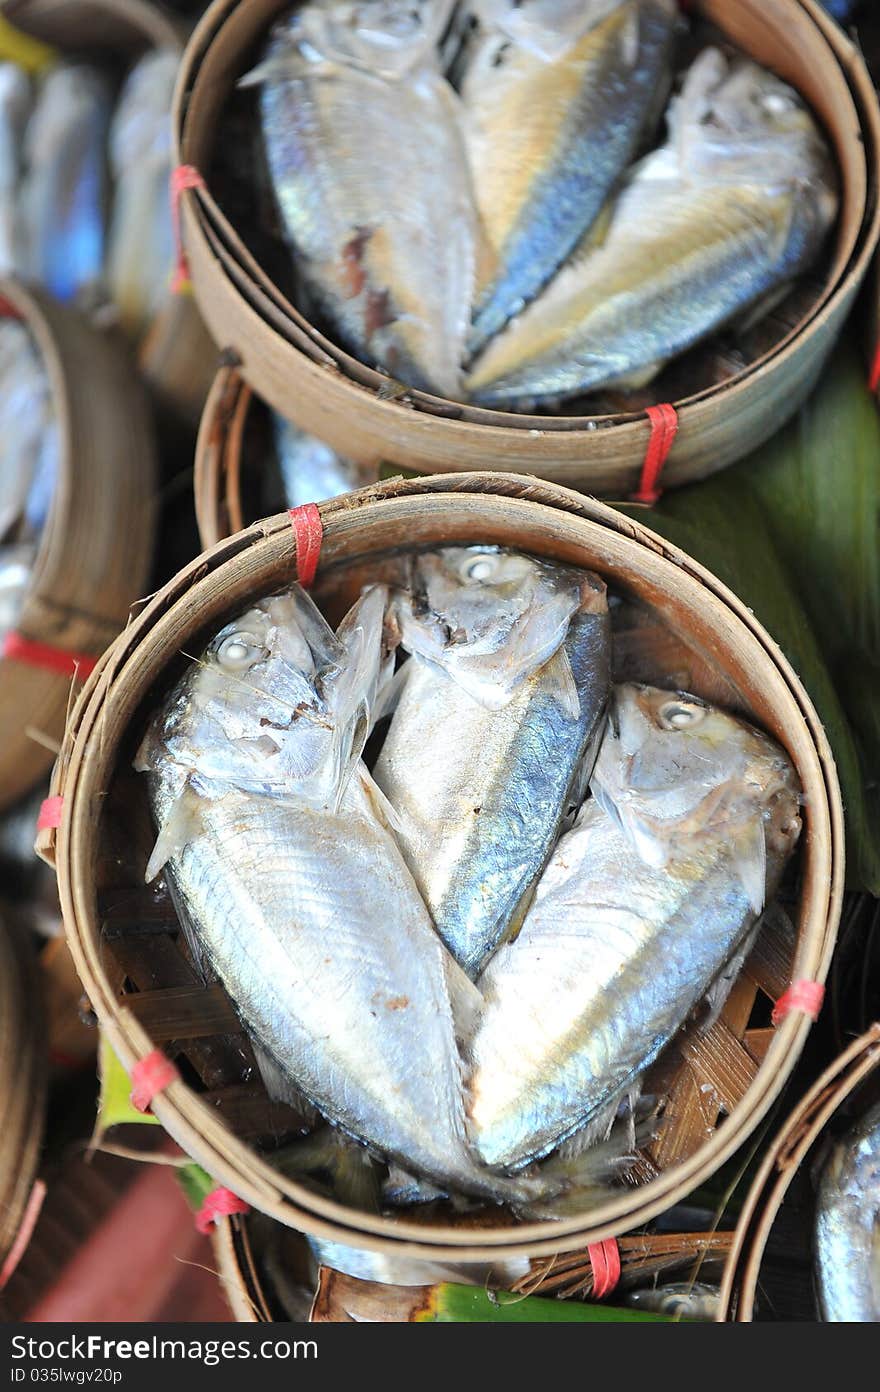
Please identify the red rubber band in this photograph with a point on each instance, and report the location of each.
(220, 1203)
(806, 996)
(50, 813)
(664, 428)
(874, 374)
(309, 532)
(70, 664)
(605, 1261)
(25, 1232)
(150, 1076)
(185, 176)
(7, 309)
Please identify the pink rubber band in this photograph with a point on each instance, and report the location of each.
(25, 1232)
(184, 177)
(664, 428)
(220, 1203)
(50, 813)
(605, 1261)
(309, 532)
(874, 374)
(150, 1076)
(806, 996)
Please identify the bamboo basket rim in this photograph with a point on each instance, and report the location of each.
(792, 1143)
(848, 268)
(144, 18)
(67, 605)
(192, 1123)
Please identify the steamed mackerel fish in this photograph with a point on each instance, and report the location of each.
(500, 712)
(638, 915)
(847, 1234)
(293, 888)
(712, 225)
(367, 161)
(557, 98)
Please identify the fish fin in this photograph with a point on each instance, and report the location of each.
(762, 307)
(384, 811)
(356, 1178)
(640, 377)
(716, 996)
(180, 827)
(465, 998)
(402, 1187)
(749, 851)
(390, 693)
(201, 961)
(558, 679)
(572, 1182)
(279, 1086)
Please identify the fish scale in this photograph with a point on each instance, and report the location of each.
(547, 140)
(847, 1232)
(620, 943)
(704, 229)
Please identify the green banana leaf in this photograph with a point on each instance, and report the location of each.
(196, 1184)
(722, 523)
(114, 1106)
(451, 1304)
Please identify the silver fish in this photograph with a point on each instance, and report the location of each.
(311, 470)
(734, 206)
(367, 161)
(401, 1270)
(557, 98)
(500, 707)
(643, 904)
(688, 1300)
(15, 103)
(65, 189)
(284, 869)
(29, 438)
(140, 249)
(847, 1235)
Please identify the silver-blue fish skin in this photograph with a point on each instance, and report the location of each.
(65, 189)
(370, 175)
(700, 233)
(480, 794)
(587, 129)
(614, 952)
(311, 470)
(847, 1232)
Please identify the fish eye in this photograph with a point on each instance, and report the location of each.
(680, 715)
(239, 651)
(778, 102)
(479, 568)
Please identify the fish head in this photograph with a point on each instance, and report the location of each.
(277, 704)
(488, 616)
(387, 37)
(546, 28)
(675, 771)
(736, 122)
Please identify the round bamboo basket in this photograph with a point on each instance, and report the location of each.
(324, 390)
(176, 356)
(250, 1280)
(94, 554)
(794, 1144)
(23, 1092)
(217, 466)
(127, 946)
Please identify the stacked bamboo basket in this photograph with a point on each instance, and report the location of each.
(311, 380)
(94, 554)
(176, 357)
(126, 940)
(147, 993)
(844, 1084)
